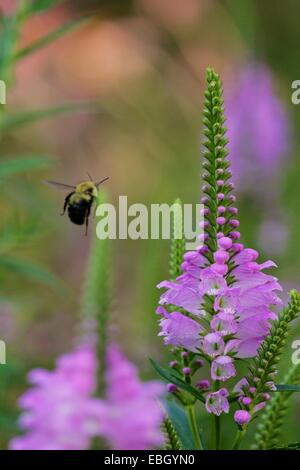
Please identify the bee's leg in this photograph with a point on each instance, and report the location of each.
(87, 219)
(66, 203)
(94, 211)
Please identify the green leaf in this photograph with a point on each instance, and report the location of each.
(12, 120)
(294, 446)
(38, 6)
(30, 270)
(49, 38)
(180, 422)
(8, 37)
(269, 431)
(287, 388)
(170, 376)
(15, 233)
(10, 167)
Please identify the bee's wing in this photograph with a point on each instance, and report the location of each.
(60, 186)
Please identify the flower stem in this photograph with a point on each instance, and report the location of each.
(217, 420)
(194, 427)
(238, 438)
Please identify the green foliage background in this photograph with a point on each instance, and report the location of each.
(141, 126)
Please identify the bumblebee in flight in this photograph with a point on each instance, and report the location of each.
(80, 200)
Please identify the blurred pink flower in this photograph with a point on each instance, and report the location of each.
(273, 236)
(58, 412)
(8, 6)
(130, 416)
(175, 13)
(106, 55)
(258, 127)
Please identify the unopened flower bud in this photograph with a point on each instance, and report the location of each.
(173, 364)
(203, 384)
(246, 401)
(221, 220)
(171, 388)
(225, 243)
(242, 417)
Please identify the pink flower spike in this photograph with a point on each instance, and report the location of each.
(59, 399)
(130, 416)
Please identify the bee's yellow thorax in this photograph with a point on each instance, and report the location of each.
(85, 190)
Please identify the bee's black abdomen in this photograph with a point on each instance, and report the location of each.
(77, 212)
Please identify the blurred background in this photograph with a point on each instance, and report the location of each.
(126, 88)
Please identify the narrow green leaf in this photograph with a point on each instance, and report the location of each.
(287, 388)
(180, 422)
(30, 270)
(49, 38)
(9, 33)
(170, 376)
(294, 446)
(12, 120)
(10, 167)
(39, 6)
(14, 233)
